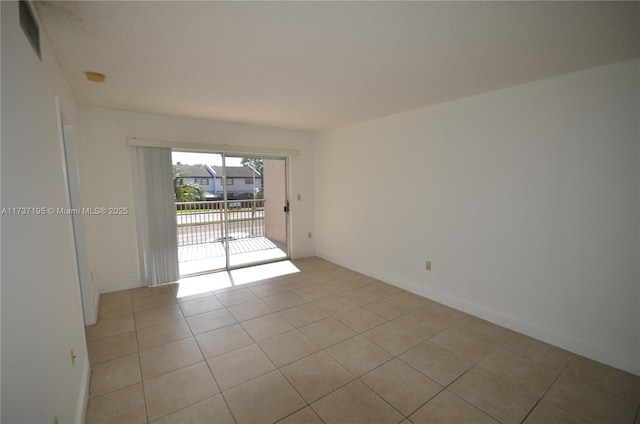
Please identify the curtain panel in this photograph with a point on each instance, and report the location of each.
(155, 215)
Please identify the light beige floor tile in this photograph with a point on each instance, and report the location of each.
(223, 340)
(211, 410)
(320, 276)
(401, 385)
(519, 371)
(169, 357)
(115, 374)
(384, 289)
(239, 366)
(484, 330)
(314, 292)
(365, 280)
(546, 412)
(537, 351)
(387, 308)
(158, 335)
(304, 314)
(158, 316)
(109, 327)
(115, 297)
(436, 363)
(178, 389)
(268, 289)
(491, 394)
(360, 319)
(418, 323)
(154, 301)
(266, 326)
(250, 310)
(410, 299)
(199, 306)
(358, 355)
(210, 321)
(312, 261)
(463, 344)
(327, 332)
(589, 402)
(303, 416)
(236, 297)
(112, 347)
(284, 300)
(122, 406)
(343, 284)
(343, 272)
(335, 304)
(614, 381)
(355, 403)
(447, 408)
(295, 282)
(288, 347)
(114, 309)
(443, 314)
(362, 295)
(392, 338)
(265, 399)
(316, 375)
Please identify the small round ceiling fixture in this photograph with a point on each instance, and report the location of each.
(95, 76)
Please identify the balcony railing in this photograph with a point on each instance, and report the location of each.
(204, 222)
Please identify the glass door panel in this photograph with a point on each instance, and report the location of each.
(199, 212)
(257, 219)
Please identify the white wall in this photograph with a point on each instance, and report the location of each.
(106, 163)
(41, 312)
(526, 200)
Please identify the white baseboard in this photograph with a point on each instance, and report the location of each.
(535, 331)
(83, 396)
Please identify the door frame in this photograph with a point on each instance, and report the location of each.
(73, 199)
(288, 225)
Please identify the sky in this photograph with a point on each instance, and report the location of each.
(190, 158)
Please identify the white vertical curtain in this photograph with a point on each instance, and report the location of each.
(155, 215)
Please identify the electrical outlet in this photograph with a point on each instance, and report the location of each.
(310, 234)
(427, 265)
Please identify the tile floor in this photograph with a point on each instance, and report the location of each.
(330, 345)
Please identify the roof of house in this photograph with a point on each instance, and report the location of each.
(193, 171)
(204, 171)
(236, 171)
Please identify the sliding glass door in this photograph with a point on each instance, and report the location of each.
(231, 211)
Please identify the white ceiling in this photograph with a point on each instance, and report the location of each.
(319, 65)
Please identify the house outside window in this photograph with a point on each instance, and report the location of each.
(202, 181)
(229, 181)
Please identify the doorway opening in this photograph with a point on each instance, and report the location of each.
(231, 211)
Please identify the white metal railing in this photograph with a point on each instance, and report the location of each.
(204, 222)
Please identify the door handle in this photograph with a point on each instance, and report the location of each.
(286, 207)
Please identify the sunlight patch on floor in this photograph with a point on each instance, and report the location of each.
(220, 280)
(263, 272)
